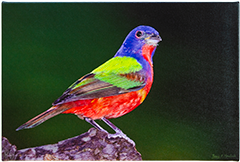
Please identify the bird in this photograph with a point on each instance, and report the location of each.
(113, 89)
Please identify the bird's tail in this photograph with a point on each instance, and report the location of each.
(53, 111)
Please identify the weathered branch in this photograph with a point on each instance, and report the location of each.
(92, 145)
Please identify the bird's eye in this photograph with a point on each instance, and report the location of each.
(139, 34)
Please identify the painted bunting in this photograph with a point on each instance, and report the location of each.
(113, 89)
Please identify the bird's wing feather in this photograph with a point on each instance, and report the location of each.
(104, 82)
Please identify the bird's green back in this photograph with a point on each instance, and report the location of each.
(110, 71)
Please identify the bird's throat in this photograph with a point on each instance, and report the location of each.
(147, 52)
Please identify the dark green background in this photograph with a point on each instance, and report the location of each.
(191, 112)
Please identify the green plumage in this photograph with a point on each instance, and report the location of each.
(117, 76)
(119, 65)
(110, 72)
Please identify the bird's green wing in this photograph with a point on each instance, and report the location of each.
(117, 76)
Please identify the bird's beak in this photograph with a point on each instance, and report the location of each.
(153, 39)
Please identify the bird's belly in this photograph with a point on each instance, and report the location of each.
(109, 107)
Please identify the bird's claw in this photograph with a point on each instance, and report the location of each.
(120, 134)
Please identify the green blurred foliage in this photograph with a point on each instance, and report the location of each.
(191, 112)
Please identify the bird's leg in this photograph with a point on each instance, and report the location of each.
(118, 133)
(93, 123)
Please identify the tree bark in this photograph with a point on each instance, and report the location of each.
(92, 145)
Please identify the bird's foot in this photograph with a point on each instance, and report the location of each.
(120, 134)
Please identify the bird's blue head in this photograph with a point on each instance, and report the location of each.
(137, 38)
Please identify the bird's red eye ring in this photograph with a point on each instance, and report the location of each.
(139, 34)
